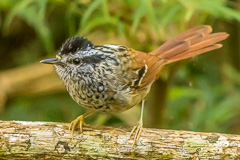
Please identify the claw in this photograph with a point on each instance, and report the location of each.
(138, 130)
(134, 128)
(79, 121)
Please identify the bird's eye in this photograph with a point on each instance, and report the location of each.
(76, 61)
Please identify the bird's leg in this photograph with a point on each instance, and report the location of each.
(79, 121)
(138, 128)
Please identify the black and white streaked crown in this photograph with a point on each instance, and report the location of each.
(74, 44)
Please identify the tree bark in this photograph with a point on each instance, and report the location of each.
(50, 140)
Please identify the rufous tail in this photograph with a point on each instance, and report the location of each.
(190, 43)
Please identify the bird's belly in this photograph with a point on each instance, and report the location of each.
(101, 104)
(105, 103)
(106, 99)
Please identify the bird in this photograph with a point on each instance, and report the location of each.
(114, 78)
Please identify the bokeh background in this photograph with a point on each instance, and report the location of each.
(199, 94)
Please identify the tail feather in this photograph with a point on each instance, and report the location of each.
(195, 53)
(187, 35)
(207, 44)
(190, 43)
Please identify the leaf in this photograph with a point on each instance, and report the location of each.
(105, 9)
(97, 22)
(217, 8)
(95, 4)
(169, 15)
(151, 15)
(231, 73)
(17, 9)
(180, 92)
(137, 17)
(72, 14)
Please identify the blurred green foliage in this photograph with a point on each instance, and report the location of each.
(32, 29)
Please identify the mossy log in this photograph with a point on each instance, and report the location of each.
(50, 140)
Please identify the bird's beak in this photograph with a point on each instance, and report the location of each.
(52, 61)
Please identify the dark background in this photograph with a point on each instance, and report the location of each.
(199, 94)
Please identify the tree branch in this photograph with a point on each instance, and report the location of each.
(48, 140)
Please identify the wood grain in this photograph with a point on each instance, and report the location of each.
(50, 140)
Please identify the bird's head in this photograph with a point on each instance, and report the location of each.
(72, 57)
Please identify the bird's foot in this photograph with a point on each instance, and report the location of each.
(78, 121)
(137, 130)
